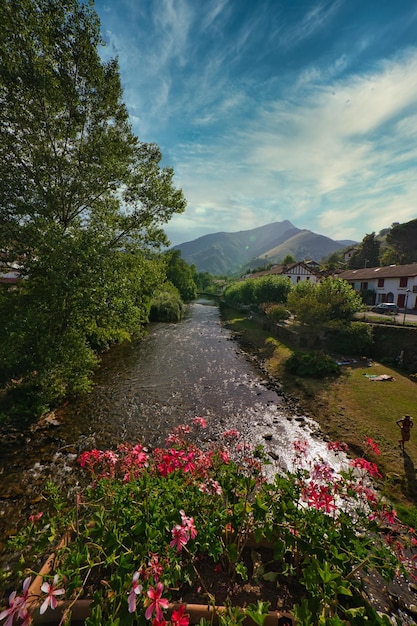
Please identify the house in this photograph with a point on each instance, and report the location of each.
(394, 283)
(9, 272)
(295, 271)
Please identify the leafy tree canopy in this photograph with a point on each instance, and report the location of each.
(315, 304)
(367, 254)
(402, 238)
(82, 201)
(181, 275)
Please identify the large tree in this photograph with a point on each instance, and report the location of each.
(402, 238)
(367, 253)
(82, 201)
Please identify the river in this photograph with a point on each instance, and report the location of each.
(142, 391)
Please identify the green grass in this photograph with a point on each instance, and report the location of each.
(349, 408)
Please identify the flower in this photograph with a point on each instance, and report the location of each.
(231, 434)
(52, 592)
(337, 446)
(371, 443)
(155, 602)
(17, 605)
(200, 421)
(135, 590)
(14, 607)
(180, 537)
(188, 523)
(179, 617)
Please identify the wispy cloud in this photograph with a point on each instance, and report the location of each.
(260, 123)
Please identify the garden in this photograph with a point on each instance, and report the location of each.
(149, 534)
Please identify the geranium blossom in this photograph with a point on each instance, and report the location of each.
(231, 434)
(371, 443)
(155, 602)
(300, 446)
(188, 524)
(337, 446)
(135, 590)
(51, 591)
(200, 421)
(179, 617)
(180, 537)
(367, 466)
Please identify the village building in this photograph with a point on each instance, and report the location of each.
(297, 272)
(393, 283)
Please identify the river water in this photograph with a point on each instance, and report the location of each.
(142, 391)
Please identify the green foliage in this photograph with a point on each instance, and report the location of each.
(367, 253)
(149, 521)
(402, 238)
(312, 364)
(166, 306)
(315, 304)
(276, 312)
(289, 259)
(354, 338)
(82, 200)
(181, 275)
(255, 291)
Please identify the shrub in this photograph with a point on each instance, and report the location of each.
(354, 338)
(166, 307)
(312, 364)
(276, 312)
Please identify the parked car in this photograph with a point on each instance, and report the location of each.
(386, 308)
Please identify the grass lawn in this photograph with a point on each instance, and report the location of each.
(349, 408)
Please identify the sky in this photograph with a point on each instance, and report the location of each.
(272, 110)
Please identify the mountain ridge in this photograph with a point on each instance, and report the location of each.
(224, 253)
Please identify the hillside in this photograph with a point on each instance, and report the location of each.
(228, 253)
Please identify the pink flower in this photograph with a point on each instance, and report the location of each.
(52, 592)
(300, 446)
(367, 466)
(179, 617)
(155, 602)
(231, 434)
(188, 523)
(371, 443)
(14, 607)
(35, 518)
(337, 446)
(180, 537)
(135, 590)
(200, 421)
(17, 605)
(155, 567)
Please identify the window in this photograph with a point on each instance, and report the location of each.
(403, 281)
(364, 286)
(380, 282)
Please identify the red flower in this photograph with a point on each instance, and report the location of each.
(179, 617)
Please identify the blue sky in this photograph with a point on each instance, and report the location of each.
(275, 109)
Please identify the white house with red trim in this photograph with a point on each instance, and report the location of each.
(297, 272)
(394, 283)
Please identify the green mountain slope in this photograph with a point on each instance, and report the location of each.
(228, 253)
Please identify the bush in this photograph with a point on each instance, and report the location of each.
(275, 312)
(166, 307)
(355, 338)
(312, 364)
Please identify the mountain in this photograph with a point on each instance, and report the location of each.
(228, 253)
